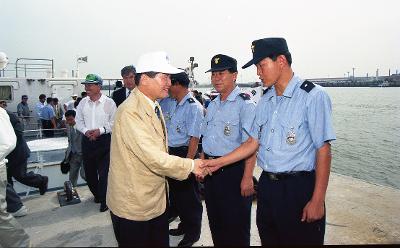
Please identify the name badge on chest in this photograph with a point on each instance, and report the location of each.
(227, 129)
(291, 137)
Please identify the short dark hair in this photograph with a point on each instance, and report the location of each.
(49, 99)
(118, 84)
(150, 74)
(70, 113)
(42, 96)
(128, 69)
(55, 99)
(287, 55)
(24, 96)
(181, 79)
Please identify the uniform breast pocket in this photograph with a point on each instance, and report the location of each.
(180, 127)
(262, 130)
(291, 132)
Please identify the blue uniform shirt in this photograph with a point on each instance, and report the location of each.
(47, 112)
(182, 119)
(227, 124)
(290, 128)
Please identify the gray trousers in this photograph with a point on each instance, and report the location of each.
(11, 232)
(14, 202)
(76, 168)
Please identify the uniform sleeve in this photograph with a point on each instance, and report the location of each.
(19, 109)
(247, 115)
(194, 120)
(319, 115)
(255, 127)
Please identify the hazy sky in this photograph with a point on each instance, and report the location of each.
(326, 38)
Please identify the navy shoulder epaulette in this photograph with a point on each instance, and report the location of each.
(307, 86)
(190, 100)
(244, 96)
(266, 90)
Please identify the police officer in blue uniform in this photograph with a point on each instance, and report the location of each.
(183, 115)
(292, 131)
(226, 126)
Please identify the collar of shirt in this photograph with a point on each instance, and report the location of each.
(232, 96)
(127, 92)
(101, 99)
(188, 95)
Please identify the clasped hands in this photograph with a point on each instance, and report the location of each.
(92, 134)
(204, 167)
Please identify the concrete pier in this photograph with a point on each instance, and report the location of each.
(357, 213)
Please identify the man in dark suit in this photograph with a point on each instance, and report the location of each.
(128, 77)
(18, 161)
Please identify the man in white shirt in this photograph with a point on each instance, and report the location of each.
(38, 108)
(95, 119)
(11, 232)
(70, 104)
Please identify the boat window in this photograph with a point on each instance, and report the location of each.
(6, 92)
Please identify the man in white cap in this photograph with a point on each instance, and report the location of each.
(140, 163)
(70, 104)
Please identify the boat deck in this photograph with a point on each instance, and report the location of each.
(357, 213)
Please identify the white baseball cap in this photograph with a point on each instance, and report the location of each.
(157, 62)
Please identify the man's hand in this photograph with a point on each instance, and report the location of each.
(95, 133)
(88, 134)
(199, 170)
(313, 211)
(211, 164)
(92, 134)
(247, 186)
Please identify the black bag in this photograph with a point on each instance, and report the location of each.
(65, 165)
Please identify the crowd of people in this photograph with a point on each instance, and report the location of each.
(144, 151)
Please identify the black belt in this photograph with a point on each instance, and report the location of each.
(284, 175)
(210, 157)
(177, 148)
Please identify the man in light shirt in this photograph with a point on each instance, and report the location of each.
(38, 108)
(140, 163)
(95, 119)
(11, 232)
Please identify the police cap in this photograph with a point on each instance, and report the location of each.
(221, 62)
(267, 47)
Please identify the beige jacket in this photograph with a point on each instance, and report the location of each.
(140, 161)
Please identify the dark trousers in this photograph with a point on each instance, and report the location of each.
(13, 200)
(46, 124)
(280, 205)
(185, 197)
(130, 233)
(96, 162)
(228, 211)
(19, 172)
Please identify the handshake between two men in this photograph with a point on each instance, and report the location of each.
(205, 167)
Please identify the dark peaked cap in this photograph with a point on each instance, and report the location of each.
(221, 62)
(267, 47)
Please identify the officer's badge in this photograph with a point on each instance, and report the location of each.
(167, 116)
(216, 60)
(227, 129)
(178, 129)
(291, 137)
(259, 133)
(252, 48)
